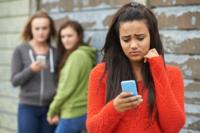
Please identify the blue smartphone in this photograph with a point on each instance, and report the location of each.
(129, 86)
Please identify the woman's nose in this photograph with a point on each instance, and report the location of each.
(134, 44)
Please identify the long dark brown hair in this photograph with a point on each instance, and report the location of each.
(117, 64)
(64, 54)
(27, 32)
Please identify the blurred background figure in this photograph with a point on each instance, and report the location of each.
(75, 63)
(33, 69)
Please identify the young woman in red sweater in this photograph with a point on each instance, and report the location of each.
(133, 51)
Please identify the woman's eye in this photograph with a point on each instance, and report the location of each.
(69, 36)
(126, 40)
(45, 28)
(140, 38)
(62, 37)
(37, 28)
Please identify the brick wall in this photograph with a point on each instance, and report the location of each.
(94, 15)
(179, 23)
(13, 14)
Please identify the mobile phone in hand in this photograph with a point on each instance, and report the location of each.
(129, 86)
(41, 59)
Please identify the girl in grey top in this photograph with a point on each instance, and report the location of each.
(33, 69)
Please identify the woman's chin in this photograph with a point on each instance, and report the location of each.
(136, 59)
(41, 40)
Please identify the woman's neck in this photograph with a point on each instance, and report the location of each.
(38, 44)
(137, 70)
(39, 48)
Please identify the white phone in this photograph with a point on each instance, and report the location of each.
(41, 59)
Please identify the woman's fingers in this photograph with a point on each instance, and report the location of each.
(151, 53)
(49, 121)
(126, 101)
(55, 119)
(124, 94)
(131, 99)
(132, 103)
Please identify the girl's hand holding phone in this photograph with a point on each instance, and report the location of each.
(125, 101)
(37, 66)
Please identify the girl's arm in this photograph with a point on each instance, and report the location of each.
(169, 95)
(19, 74)
(101, 117)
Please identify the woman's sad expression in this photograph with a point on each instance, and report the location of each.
(135, 39)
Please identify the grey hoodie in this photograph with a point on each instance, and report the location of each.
(36, 88)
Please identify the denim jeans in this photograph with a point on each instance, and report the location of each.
(74, 125)
(33, 119)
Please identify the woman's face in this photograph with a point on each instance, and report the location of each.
(69, 38)
(40, 29)
(135, 39)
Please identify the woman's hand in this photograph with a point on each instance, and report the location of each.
(37, 66)
(152, 53)
(125, 101)
(53, 120)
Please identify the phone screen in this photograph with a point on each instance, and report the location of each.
(129, 86)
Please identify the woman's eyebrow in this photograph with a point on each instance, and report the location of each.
(125, 36)
(140, 34)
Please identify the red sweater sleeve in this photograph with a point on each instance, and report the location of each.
(101, 117)
(169, 95)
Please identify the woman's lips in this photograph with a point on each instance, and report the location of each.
(135, 53)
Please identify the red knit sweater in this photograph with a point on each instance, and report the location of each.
(169, 104)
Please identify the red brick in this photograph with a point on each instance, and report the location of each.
(181, 42)
(178, 17)
(89, 19)
(71, 5)
(188, 64)
(192, 86)
(173, 2)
